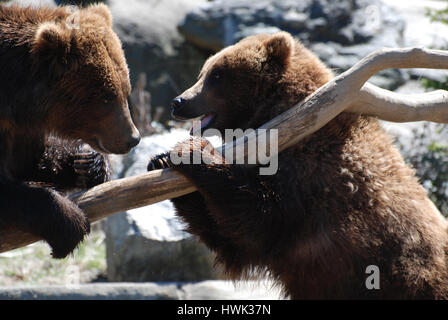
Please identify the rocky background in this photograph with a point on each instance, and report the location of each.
(170, 40)
(172, 45)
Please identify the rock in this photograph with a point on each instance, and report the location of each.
(222, 290)
(152, 44)
(405, 133)
(425, 33)
(340, 32)
(95, 291)
(148, 244)
(34, 3)
(204, 290)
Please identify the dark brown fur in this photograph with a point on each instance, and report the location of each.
(342, 200)
(60, 87)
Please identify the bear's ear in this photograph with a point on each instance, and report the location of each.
(51, 39)
(102, 10)
(51, 46)
(280, 47)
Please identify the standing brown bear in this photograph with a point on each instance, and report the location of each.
(341, 201)
(64, 82)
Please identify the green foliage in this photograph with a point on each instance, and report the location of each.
(429, 157)
(437, 16)
(433, 84)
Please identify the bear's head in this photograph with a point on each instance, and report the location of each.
(247, 84)
(83, 60)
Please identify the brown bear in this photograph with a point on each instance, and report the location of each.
(343, 206)
(64, 82)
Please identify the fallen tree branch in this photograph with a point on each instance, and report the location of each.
(346, 92)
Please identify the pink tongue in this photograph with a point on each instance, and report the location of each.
(206, 120)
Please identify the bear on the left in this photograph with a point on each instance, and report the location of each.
(64, 82)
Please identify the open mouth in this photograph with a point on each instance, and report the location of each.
(180, 118)
(206, 121)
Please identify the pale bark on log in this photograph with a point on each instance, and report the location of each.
(347, 92)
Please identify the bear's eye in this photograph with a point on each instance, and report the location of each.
(215, 76)
(109, 98)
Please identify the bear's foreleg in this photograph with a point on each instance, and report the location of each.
(44, 213)
(233, 210)
(192, 209)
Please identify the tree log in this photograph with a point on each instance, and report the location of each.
(346, 92)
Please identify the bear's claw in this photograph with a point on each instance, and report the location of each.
(91, 168)
(161, 161)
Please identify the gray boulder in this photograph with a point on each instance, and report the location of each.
(425, 33)
(204, 290)
(35, 3)
(220, 23)
(340, 32)
(149, 244)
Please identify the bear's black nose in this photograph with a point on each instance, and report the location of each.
(177, 103)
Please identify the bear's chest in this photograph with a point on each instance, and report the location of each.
(21, 155)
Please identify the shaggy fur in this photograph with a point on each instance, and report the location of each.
(342, 200)
(60, 87)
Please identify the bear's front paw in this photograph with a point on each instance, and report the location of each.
(67, 228)
(161, 161)
(91, 167)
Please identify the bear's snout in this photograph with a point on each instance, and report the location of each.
(133, 141)
(177, 109)
(185, 109)
(176, 104)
